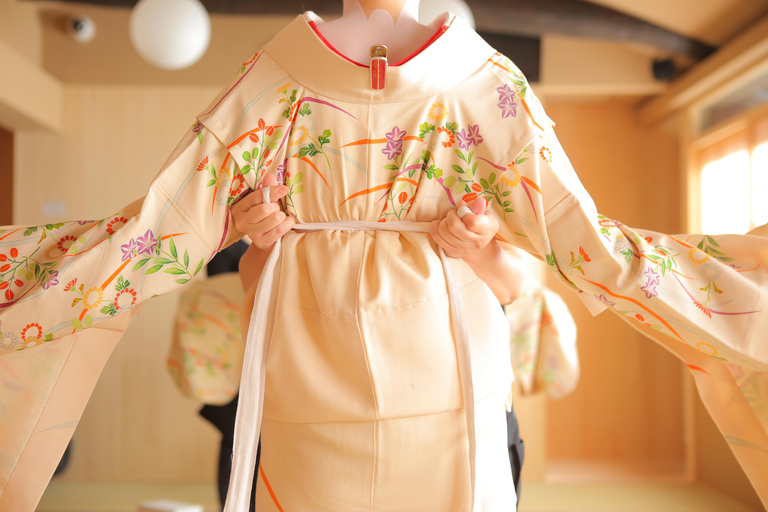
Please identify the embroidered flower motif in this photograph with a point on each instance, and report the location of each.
(301, 138)
(604, 300)
(650, 291)
(146, 244)
(125, 299)
(506, 93)
(65, 243)
(474, 134)
(584, 254)
(92, 298)
(71, 284)
(238, 184)
(710, 271)
(284, 87)
(508, 109)
(697, 256)
(652, 277)
(451, 139)
(703, 308)
(515, 181)
(36, 334)
(438, 112)
(393, 150)
(53, 252)
(117, 221)
(32, 343)
(545, 154)
(396, 135)
(197, 127)
(708, 349)
(129, 250)
(52, 280)
(464, 141)
(506, 101)
(8, 340)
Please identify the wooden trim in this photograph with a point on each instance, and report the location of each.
(730, 67)
(730, 127)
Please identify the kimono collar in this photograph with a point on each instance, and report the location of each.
(452, 57)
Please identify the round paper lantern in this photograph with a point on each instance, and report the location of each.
(431, 9)
(171, 34)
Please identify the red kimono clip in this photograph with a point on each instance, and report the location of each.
(378, 66)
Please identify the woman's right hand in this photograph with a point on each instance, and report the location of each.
(264, 223)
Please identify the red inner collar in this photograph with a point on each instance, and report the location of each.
(423, 47)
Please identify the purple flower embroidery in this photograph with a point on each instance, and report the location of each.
(652, 277)
(396, 135)
(197, 127)
(506, 101)
(474, 134)
(650, 291)
(506, 94)
(463, 138)
(508, 108)
(393, 149)
(129, 250)
(52, 280)
(602, 298)
(281, 172)
(147, 243)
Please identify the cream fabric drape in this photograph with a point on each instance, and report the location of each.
(363, 403)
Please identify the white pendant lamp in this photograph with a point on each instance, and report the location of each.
(431, 9)
(170, 34)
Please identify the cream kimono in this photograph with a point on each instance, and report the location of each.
(364, 406)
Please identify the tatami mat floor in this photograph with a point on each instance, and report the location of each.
(537, 497)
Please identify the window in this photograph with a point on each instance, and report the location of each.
(734, 177)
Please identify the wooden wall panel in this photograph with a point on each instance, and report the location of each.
(137, 426)
(6, 177)
(628, 404)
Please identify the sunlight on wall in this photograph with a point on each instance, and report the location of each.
(725, 197)
(733, 191)
(760, 185)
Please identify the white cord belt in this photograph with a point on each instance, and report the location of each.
(251, 402)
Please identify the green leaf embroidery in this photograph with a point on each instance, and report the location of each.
(153, 269)
(172, 245)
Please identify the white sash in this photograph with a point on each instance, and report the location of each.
(251, 402)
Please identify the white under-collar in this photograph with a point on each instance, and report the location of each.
(452, 57)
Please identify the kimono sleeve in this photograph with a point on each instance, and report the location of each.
(708, 292)
(61, 278)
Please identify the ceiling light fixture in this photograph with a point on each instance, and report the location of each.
(170, 34)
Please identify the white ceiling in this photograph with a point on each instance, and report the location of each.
(711, 21)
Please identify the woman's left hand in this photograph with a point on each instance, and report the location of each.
(465, 237)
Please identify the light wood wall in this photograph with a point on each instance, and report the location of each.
(137, 426)
(628, 404)
(6, 177)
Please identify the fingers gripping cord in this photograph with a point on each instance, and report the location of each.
(251, 402)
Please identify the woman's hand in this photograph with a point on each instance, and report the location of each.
(468, 236)
(264, 223)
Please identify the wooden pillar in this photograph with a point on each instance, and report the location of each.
(6, 177)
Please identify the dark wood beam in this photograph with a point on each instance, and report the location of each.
(525, 52)
(581, 19)
(533, 18)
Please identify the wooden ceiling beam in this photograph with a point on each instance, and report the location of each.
(514, 17)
